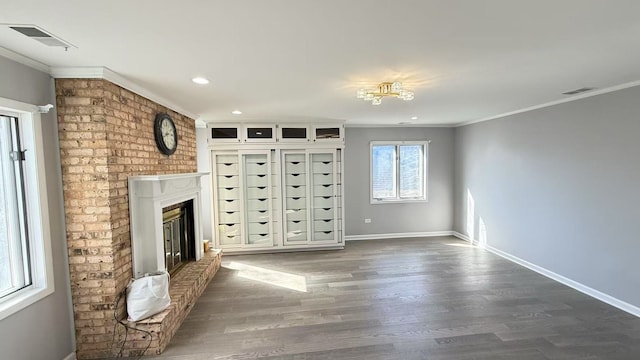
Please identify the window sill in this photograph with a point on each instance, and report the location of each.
(402, 201)
(23, 298)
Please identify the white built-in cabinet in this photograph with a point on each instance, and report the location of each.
(281, 194)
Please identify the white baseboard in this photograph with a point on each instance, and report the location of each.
(71, 356)
(622, 305)
(397, 235)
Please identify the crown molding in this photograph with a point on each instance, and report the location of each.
(556, 102)
(24, 60)
(398, 125)
(99, 72)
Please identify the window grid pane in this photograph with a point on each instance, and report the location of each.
(384, 171)
(411, 171)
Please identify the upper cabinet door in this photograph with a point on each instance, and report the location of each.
(259, 133)
(224, 133)
(328, 133)
(294, 133)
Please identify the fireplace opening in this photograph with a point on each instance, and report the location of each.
(179, 235)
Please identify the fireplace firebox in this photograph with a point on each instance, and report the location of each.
(178, 235)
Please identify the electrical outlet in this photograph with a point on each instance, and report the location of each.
(367, 221)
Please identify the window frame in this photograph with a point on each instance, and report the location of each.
(37, 219)
(425, 174)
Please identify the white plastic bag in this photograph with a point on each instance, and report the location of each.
(147, 296)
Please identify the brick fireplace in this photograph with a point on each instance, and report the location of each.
(106, 136)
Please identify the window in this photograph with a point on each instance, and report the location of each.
(398, 171)
(26, 273)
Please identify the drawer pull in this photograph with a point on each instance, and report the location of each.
(326, 209)
(296, 221)
(263, 223)
(295, 162)
(327, 174)
(295, 186)
(229, 189)
(231, 236)
(263, 235)
(260, 163)
(327, 232)
(262, 199)
(326, 162)
(326, 185)
(262, 175)
(230, 212)
(295, 174)
(326, 197)
(296, 198)
(230, 225)
(262, 187)
(228, 164)
(262, 211)
(228, 176)
(326, 220)
(230, 201)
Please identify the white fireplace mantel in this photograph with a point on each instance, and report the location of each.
(148, 195)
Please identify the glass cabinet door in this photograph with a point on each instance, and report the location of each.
(294, 201)
(322, 167)
(257, 199)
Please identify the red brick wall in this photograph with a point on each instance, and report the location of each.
(106, 135)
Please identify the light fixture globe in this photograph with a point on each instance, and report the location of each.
(392, 89)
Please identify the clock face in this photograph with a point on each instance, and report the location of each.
(166, 134)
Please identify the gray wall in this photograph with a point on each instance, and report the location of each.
(559, 187)
(435, 215)
(43, 330)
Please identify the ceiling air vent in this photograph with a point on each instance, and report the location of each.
(40, 35)
(578, 91)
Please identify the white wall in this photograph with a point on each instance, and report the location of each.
(204, 165)
(559, 188)
(43, 330)
(433, 216)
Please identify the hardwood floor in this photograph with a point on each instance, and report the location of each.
(432, 298)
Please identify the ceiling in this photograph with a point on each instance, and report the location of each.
(303, 60)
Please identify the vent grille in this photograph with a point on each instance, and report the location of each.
(578, 91)
(40, 35)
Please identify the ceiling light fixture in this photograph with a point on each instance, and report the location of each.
(200, 80)
(393, 89)
(236, 112)
(414, 118)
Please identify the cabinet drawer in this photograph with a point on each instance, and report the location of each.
(296, 203)
(322, 190)
(322, 157)
(228, 217)
(228, 181)
(322, 167)
(229, 230)
(295, 191)
(259, 238)
(230, 240)
(323, 225)
(228, 193)
(257, 180)
(257, 168)
(323, 235)
(294, 167)
(323, 214)
(296, 225)
(228, 205)
(294, 157)
(297, 235)
(227, 169)
(228, 159)
(323, 179)
(258, 228)
(296, 214)
(259, 192)
(254, 216)
(258, 204)
(295, 179)
(323, 201)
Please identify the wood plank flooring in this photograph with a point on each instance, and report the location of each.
(432, 298)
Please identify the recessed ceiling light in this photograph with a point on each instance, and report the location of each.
(236, 112)
(200, 80)
(414, 118)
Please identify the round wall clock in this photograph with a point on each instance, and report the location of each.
(166, 134)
